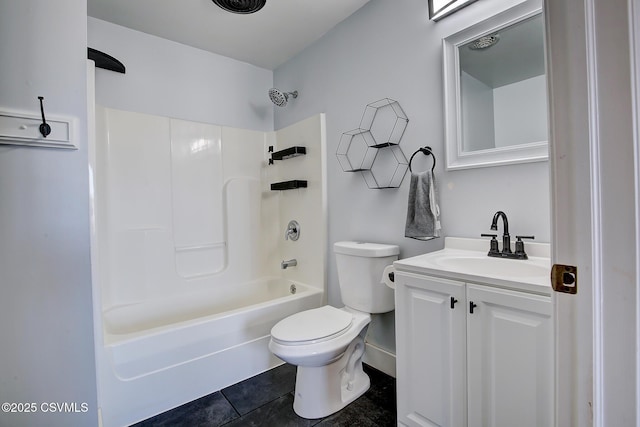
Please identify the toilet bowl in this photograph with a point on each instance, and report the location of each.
(327, 343)
(317, 337)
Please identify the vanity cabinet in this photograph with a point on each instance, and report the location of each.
(472, 354)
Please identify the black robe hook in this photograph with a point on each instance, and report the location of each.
(45, 129)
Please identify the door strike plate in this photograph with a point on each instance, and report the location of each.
(564, 278)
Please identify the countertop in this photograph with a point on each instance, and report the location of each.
(531, 275)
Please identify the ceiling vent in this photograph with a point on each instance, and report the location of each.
(243, 7)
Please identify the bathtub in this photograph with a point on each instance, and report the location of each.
(160, 354)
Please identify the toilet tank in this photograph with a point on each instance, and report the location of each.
(360, 266)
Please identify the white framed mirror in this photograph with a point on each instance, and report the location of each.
(496, 91)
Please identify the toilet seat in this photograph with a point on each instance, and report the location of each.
(312, 326)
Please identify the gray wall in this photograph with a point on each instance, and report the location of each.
(170, 79)
(46, 325)
(391, 49)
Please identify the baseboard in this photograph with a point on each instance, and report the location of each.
(380, 359)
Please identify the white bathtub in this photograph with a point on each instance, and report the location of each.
(161, 354)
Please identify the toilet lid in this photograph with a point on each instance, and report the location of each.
(318, 324)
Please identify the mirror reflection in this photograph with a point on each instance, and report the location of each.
(503, 87)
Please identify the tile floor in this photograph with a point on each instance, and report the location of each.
(267, 400)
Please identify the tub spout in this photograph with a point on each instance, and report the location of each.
(288, 263)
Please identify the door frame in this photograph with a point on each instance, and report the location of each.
(634, 25)
(595, 204)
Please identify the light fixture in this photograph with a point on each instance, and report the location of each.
(438, 9)
(484, 42)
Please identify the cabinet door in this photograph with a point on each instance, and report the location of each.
(510, 358)
(430, 351)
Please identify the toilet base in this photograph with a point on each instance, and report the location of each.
(323, 390)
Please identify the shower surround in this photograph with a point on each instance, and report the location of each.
(187, 241)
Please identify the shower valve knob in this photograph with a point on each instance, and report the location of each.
(293, 231)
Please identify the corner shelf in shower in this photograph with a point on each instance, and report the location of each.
(289, 185)
(287, 153)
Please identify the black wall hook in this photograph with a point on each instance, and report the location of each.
(45, 129)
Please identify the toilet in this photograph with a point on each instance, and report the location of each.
(327, 343)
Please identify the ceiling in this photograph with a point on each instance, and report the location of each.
(267, 38)
(518, 55)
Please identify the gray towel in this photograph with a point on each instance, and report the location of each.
(423, 213)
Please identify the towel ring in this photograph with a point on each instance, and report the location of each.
(426, 151)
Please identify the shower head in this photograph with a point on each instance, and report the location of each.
(281, 98)
(243, 7)
(484, 42)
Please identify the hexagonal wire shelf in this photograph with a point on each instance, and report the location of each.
(373, 148)
(386, 121)
(388, 169)
(355, 150)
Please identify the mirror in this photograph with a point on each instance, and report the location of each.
(496, 90)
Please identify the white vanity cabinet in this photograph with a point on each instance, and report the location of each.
(471, 354)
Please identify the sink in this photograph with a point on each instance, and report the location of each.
(466, 259)
(492, 267)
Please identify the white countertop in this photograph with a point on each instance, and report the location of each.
(467, 260)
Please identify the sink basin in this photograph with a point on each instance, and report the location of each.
(466, 260)
(493, 267)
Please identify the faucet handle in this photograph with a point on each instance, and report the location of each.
(493, 244)
(520, 246)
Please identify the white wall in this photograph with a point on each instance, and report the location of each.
(478, 119)
(384, 50)
(511, 114)
(174, 80)
(520, 112)
(46, 326)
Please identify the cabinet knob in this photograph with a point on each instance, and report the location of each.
(453, 302)
(472, 305)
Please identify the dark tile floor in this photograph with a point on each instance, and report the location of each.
(267, 400)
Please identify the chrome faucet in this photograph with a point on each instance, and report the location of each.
(289, 263)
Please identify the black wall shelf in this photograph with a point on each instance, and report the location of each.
(105, 61)
(287, 153)
(373, 149)
(289, 185)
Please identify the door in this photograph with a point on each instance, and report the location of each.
(509, 358)
(593, 159)
(430, 349)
